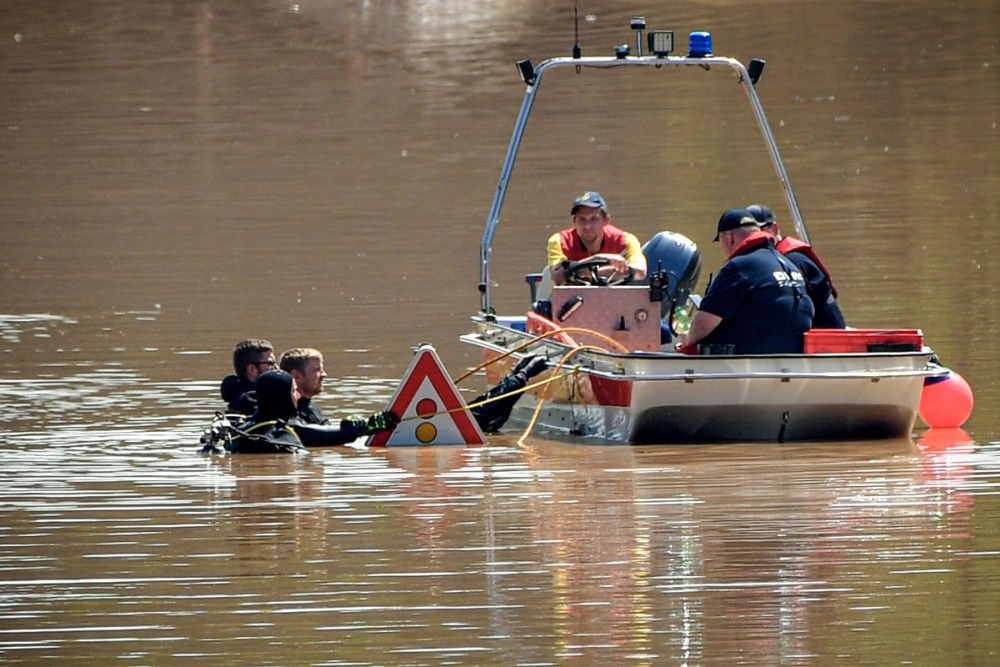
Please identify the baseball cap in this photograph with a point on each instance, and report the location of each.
(762, 214)
(733, 218)
(590, 200)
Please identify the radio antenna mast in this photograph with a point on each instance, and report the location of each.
(576, 32)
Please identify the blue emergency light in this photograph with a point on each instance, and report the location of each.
(699, 44)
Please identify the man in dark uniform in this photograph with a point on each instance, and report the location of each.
(251, 357)
(819, 284)
(757, 302)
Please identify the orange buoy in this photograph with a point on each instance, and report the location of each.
(946, 401)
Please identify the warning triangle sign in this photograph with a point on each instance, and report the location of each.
(430, 407)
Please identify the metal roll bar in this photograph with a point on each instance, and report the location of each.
(640, 61)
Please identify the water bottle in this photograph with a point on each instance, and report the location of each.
(682, 321)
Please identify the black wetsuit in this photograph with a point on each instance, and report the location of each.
(275, 427)
(239, 395)
(308, 413)
(492, 416)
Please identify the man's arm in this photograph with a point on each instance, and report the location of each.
(633, 255)
(702, 324)
(555, 258)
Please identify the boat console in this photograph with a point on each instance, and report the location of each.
(625, 314)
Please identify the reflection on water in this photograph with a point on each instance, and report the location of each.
(498, 554)
(179, 176)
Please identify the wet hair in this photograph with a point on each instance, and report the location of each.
(274, 396)
(296, 358)
(247, 352)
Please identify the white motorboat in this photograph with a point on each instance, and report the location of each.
(611, 380)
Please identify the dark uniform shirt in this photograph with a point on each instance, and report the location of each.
(819, 289)
(761, 297)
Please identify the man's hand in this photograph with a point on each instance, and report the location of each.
(381, 421)
(702, 324)
(558, 272)
(616, 264)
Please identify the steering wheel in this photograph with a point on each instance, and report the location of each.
(572, 270)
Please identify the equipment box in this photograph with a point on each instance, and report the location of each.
(863, 340)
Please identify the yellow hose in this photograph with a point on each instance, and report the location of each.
(527, 387)
(556, 375)
(541, 399)
(547, 334)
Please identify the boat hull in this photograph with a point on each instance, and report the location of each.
(669, 398)
(665, 424)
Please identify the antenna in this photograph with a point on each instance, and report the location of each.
(576, 32)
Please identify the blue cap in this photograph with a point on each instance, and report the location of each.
(733, 218)
(762, 214)
(590, 200)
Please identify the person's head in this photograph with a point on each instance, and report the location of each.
(765, 219)
(589, 213)
(251, 357)
(734, 226)
(306, 367)
(276, 395)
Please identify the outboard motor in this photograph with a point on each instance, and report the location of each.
(674, 261)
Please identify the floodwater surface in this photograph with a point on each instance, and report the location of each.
(177, 176)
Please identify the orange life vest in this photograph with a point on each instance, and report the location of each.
(574, 249)
(789, 244)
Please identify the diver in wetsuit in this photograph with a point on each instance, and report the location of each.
(493, 415)
(251, 357)
(274, 427)
(305, 365)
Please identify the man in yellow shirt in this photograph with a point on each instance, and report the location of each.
(593, 236)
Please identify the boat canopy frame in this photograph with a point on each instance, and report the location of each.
(533, 84)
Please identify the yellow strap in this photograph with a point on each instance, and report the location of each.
(274, 422)
(546, 382)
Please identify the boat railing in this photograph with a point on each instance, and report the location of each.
(533, 79)
(614, 365)
(873, 375)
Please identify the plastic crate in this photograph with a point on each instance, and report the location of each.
(863, 340)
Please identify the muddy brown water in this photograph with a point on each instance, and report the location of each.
(176, 176)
